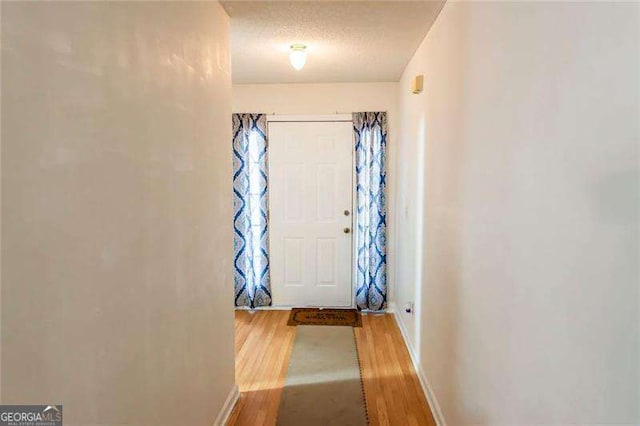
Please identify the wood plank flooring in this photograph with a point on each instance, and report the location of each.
(391, 387)
(263, 346)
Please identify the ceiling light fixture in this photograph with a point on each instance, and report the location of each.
(298, 56)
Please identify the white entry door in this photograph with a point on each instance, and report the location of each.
(310, 199)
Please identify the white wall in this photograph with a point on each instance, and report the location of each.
(116, 210)
(525, 143)
(330, 98)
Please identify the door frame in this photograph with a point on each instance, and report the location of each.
(326, 118)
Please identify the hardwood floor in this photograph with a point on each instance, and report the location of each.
(391, 387)
(263, 346)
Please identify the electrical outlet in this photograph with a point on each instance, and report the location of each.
(409, 308)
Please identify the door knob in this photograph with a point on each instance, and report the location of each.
(346, 230)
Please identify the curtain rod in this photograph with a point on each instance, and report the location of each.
(327, 113)
(324, 113)
(283, 118)
(274, 117)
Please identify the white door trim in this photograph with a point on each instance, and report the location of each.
(309, 118)
(330, 118)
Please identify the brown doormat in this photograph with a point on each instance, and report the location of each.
(319, 316)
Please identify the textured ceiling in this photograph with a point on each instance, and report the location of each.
(346, 41)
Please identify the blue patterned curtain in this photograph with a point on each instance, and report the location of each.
(371, 211)
(250, 204)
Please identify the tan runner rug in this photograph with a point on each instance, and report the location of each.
(317, 316)
(323, 385)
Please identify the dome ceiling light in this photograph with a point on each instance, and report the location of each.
(298, 56)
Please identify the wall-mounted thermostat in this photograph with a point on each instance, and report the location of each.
(416, 84)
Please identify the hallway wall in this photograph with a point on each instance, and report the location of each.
(519, 178)
(329, 98)
(116, 196)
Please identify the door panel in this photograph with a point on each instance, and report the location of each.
(326, 184)
(293, 261)
(310, 187)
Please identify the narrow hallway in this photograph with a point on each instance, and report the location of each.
(185, 183)
(263, 345)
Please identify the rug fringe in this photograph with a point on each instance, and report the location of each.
(364, 396)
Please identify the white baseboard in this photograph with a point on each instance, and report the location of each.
(391, 308)
(426, 388)
(288, 308)
(227, 408)
(264, 308)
